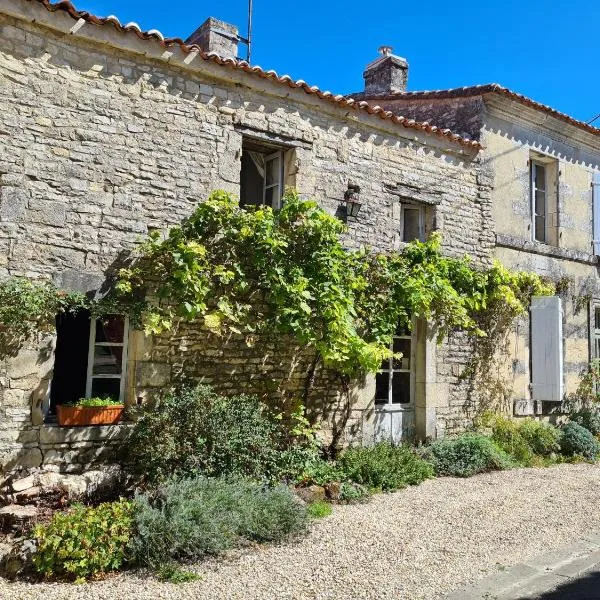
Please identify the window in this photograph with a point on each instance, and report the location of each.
(412, 222)
(539, 201)
(544, 174)
(107, 357)
(393, 383)
(90, 358)
(596, 333)
(262, 175)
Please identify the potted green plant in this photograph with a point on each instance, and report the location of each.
(90, 411)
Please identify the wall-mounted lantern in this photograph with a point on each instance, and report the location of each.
(351, 198)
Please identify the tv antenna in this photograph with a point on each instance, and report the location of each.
(248, 39)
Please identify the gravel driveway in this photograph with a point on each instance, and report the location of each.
(415, 544)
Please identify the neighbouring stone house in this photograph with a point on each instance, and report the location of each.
(108, 132)
(545, 172)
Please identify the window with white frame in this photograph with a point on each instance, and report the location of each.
(393, 383)
(262, 175)
(90, 357)
(539, 200)
(107, 357)
(544, 184)
(412, 222)
(596, 332)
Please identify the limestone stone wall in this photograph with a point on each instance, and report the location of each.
(571, 262)
(104, 137)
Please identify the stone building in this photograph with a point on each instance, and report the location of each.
(544, 170)
(108, 132)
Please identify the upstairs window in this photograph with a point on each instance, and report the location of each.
(543, 175)
(596, 333)
(393, 383)
(539, 201)
(412, 222)
(262, 175)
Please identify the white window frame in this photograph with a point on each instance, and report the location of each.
(534, 165)
(390, 405)
(275, 156)
(595, 332)
(407, 206)
(90, 369)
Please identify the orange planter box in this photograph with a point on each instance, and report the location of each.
(75, 416)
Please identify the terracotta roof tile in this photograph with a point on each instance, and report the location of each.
(340, 100)
(480, 90)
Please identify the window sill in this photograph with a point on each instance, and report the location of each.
(52, 433)
(388, 408)
(515, 243)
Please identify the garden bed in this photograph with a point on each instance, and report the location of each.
(417, 543)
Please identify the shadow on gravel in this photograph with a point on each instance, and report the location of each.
(586, 587)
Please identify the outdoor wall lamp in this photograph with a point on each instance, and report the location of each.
(351, 198)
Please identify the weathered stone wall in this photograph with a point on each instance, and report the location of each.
(571, 263)
(99, 144)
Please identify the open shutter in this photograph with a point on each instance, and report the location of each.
(546, 349)
(596, 209)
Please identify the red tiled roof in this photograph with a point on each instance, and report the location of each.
(480, 90)
(242, 65)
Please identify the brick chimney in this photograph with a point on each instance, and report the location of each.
(216, 36)
(387, 74)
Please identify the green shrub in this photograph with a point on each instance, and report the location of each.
(198, 432)
(189, 519)
(542, 438)
(466, 455)
(319, 509)
(353, 492)
(577, 440)
(590, 419)
(384, 466)
(506, 433)
(173, 573)
(321, 472)
(84, 542)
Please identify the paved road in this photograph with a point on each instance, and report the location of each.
(570, 573)
(585, 587)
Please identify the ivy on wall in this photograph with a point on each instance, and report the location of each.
(288, 272)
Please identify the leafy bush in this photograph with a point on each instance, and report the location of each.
(84, 542)
(466, 455)
(353, 492)
(198, 432)
(384, 466)
(189, 519)
(319, 509)
(590, 419)
(577, 440)
(321, 472)
(542, 438)
(506, 433)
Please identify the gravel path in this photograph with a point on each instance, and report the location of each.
(416, 544)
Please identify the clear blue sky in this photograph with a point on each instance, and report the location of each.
(548, 50)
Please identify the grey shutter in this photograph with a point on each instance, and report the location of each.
(546, 349)
(596, 213)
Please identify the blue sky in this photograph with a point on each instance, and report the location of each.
(547, 50)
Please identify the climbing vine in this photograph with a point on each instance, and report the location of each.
(287, 271)
(29, 306)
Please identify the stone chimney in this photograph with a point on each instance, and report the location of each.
(387, 74)
(216, 36)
